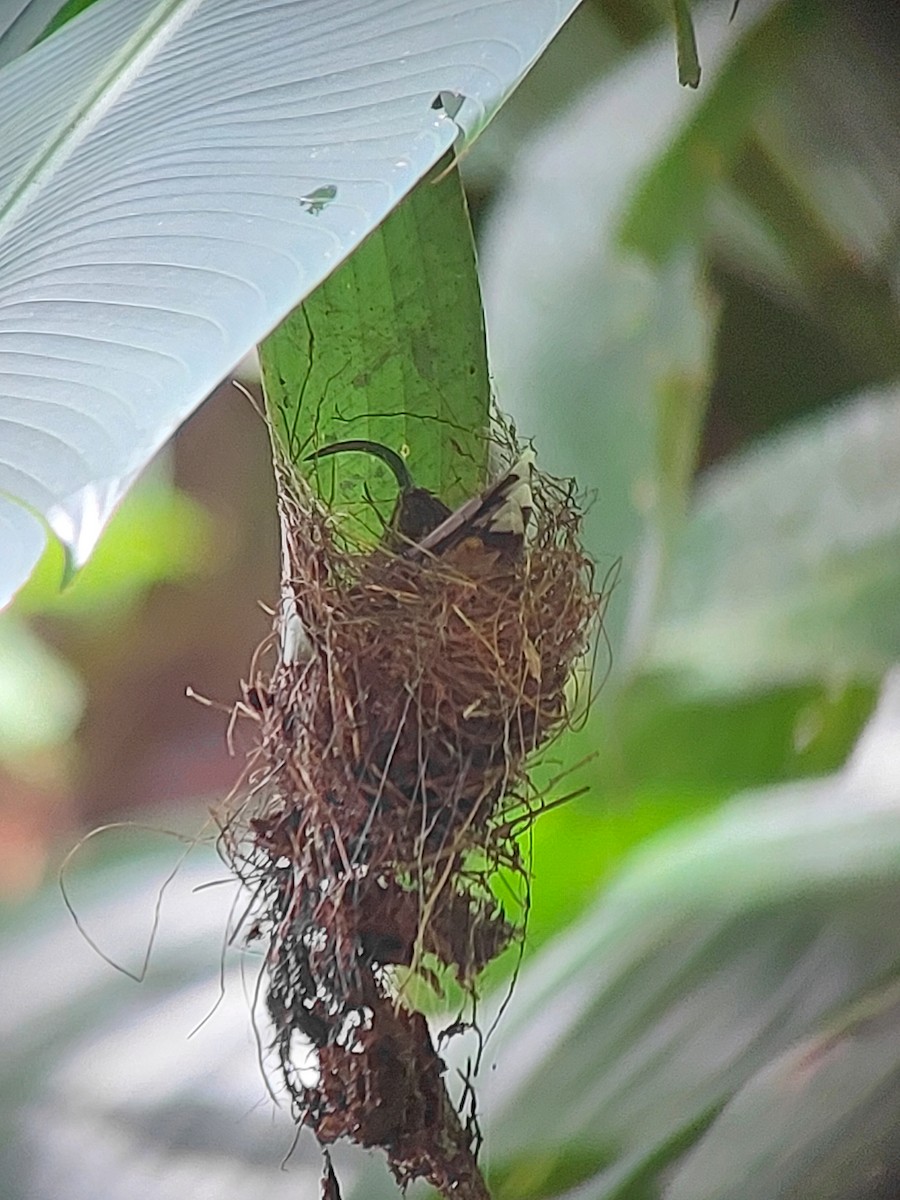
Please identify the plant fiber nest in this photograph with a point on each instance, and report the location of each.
(387, 787)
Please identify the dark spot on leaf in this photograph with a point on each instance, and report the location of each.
(448, 101)
(314, 202)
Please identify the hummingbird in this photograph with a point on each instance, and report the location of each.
(422, 525)
(417, 510)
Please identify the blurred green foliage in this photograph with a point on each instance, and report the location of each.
(157, 534)
(690, 300)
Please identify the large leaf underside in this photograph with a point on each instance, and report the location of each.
(178, 175)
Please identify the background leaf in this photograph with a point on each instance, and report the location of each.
(686, 42)
(41, 697)
(820, 1120)
(593, 345)
(719, 945)
(669, 206)
(788, 567)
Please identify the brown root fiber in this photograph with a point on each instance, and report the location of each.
(388, 787)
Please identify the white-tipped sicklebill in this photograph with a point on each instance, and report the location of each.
(423, 526)
(417, 510)
(498, 518)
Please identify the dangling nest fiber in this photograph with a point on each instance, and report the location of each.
(388, 786)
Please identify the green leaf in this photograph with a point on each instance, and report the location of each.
(664, 735)
(577, 848)
(819, 1120)
(807, 212)
(662, 756)
(789, 567)
(390, 349)
(157, 534)
(686, 42)
(670, 208)
(41, 698)
(532, 1176)
(70, 9)
(720, 945)
(601, 355)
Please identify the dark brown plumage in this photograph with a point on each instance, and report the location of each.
(417, 510)
(423, 525)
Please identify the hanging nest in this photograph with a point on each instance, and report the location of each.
(413, 683)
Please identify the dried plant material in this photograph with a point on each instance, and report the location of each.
(389, 786)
